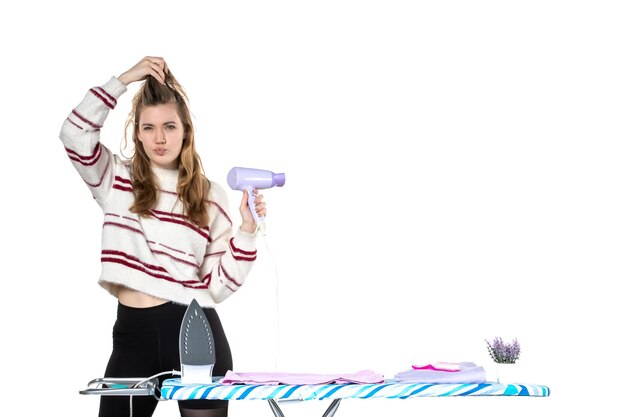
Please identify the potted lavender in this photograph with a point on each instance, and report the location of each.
(503, 354)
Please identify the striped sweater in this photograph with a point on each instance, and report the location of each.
(163, 255)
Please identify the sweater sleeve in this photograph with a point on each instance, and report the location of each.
(80, 135)
(229, 257)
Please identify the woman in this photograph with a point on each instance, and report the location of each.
(166, 236)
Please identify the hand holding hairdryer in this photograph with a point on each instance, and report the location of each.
(249, 179)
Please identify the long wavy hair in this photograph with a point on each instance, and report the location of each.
(192, 187)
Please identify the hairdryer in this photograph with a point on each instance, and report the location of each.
(250, 179)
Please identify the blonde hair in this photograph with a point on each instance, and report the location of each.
(192, 187)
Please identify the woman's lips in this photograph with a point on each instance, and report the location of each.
(160, 151)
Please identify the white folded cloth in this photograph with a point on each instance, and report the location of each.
(444, 373)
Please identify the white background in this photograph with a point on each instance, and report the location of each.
(455, 171)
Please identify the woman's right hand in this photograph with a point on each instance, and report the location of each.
(150, 65)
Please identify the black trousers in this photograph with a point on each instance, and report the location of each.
(145, 343)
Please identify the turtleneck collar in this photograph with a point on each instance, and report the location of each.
(168, 178)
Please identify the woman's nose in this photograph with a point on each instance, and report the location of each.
(160, 136)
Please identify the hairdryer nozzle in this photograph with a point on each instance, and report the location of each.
(278, 180)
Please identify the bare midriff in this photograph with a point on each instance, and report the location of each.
(133, 298)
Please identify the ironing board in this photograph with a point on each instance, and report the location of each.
(174, 389)
(197, 354)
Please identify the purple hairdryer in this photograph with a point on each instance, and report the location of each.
(250, 179)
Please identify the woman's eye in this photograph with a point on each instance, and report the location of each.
(147, 128)
(171, 127)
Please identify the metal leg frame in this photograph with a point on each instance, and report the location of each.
(330, 411)
(124, 386)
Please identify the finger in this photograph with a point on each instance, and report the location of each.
(158, 67)
(162, 64)
(258, 198)
(157, 63)
(156, 60)
(261, 211)
(157, 72)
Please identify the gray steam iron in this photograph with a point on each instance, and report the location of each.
(197, 347)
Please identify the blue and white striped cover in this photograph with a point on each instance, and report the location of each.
(173, 389)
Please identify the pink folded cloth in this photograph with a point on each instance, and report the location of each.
(277, 378)
(440, 366)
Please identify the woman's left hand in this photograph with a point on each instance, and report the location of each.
(248, 224)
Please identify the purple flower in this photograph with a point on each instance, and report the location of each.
(502, 352)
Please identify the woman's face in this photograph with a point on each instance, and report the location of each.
(161, 132)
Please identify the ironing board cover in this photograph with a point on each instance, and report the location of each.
(173, 389)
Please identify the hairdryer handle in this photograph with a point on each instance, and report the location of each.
(251, 197)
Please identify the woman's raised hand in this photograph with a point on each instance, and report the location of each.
(150, 65)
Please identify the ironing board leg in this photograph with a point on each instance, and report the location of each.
(275, 408)
(330, 411)
(332, 408)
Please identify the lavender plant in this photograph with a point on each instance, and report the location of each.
(502, 352)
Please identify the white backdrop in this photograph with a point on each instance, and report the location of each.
(454, 172)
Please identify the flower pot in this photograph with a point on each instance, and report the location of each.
(506, 373)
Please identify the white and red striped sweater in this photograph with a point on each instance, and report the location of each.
(164, 255)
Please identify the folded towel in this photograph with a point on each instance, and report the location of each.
(467, 373)
(276, 378)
